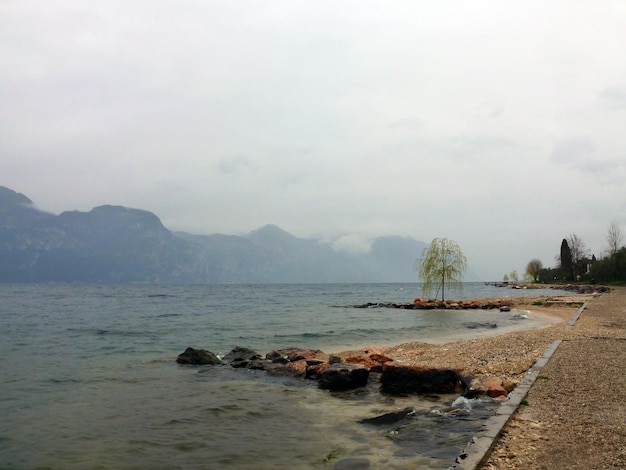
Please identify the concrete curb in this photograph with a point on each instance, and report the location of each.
(575, 317)
(481, 445)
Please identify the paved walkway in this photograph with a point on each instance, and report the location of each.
(574, 416)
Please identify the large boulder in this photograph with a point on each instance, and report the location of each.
(398, 379)
(241, 357)
(198, 356)
(339, 377)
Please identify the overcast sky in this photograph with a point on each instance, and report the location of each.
(498, 124)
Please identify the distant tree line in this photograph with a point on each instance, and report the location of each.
(575, 264)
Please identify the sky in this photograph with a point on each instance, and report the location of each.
(497, 124)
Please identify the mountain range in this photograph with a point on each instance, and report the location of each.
(115, 244)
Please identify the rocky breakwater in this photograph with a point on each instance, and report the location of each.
(350, 371)
(430, 304)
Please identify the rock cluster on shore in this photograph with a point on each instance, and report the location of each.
(335, 373)
(430, 304)
(483, 366)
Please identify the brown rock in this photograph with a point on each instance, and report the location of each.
(315, 370)
(496, 391)
(299, 368)
(366, 361)
(292, 369)
(298, 354)
(375, 350)
(380, 358)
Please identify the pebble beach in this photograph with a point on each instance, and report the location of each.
(575, 413)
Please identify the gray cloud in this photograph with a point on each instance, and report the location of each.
(613, 98)
(427, 119)
(583, 155)
(234, 164)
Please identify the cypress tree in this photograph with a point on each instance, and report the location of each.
(567, 267)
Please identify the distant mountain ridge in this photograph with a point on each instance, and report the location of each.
(116, 244)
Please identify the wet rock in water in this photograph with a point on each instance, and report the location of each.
(388, 418)
(405, 380)
(474, 325)
(353, 464)
(198, 356)
(257, 364)
(340, 377)
(518, 317)
(240, 356)
(276, 357)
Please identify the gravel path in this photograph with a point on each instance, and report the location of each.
(576, 411)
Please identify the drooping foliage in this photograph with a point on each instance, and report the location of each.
(442, 265)
(533, 268)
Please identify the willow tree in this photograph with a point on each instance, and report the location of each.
(442, 264)
(533, 268)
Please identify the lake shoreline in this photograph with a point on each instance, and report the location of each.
(505, 355)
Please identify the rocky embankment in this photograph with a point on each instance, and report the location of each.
(489, 366)
(430, 304)
(350, 371)
(493, 303)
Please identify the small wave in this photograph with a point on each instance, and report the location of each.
(56, 380)
(357, 332)
(101, 331)
(218, 410)
(465, 403)
(318, 335)
(178, 421)
(105, 332)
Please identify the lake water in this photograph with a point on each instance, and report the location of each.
(89, 378)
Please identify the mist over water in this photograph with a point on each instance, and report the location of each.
(89, 378)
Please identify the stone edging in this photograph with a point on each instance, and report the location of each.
(479, 448)
(575, 317)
